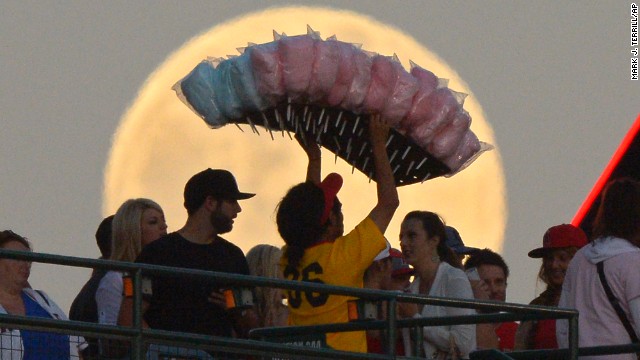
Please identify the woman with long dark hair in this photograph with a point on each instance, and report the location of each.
(310, 221)
(437, 273)
(609, 262)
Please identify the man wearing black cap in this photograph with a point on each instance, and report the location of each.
(187, 304)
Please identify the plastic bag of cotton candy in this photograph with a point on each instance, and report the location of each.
(277, 83)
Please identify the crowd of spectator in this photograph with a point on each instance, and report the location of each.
(595, 276)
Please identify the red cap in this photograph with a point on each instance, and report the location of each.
(560, 236)
(399, 267)
(330, 187)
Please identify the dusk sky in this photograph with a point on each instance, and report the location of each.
(553, 79)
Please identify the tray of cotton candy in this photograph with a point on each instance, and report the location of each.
(328, 90)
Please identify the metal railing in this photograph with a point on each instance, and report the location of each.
(140, 337)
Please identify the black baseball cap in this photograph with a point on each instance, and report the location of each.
(219, 183)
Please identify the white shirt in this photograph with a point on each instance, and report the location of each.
(449, 282)
(109, 298)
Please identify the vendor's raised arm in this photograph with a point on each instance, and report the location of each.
(312, 149)
(388, 200)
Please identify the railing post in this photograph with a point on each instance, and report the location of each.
(137, 346)
(573, 337)
(391, 327)
(417, 341)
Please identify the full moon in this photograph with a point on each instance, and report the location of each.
(160, 143)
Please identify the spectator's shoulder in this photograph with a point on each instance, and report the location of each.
(621, 264)
(452, 275)
(229, 245)
(546, 298)
(452, 272)
(171, 239)
(631, 256)
(158, 247)
(537, 301)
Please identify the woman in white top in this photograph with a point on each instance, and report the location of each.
(137, 223)
(437, 273)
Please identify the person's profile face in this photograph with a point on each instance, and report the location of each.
(152, 226)
(415, 243)
(222, 218)
(15, 270)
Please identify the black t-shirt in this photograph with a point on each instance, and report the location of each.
(179, 303)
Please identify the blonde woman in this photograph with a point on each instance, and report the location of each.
(263, 261)
(137, 222)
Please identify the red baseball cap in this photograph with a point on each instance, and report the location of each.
(560, 236)
(399, 267)
(330, 187)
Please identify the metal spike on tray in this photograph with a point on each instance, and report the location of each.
(346, 135)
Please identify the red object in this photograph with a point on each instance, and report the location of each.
(624, 163)
(506, 333)
(374, 346)
(560, 236)
(399, 267)
(330, 187)
(545, 337)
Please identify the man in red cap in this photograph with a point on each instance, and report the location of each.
(390, 272)
(310, 221)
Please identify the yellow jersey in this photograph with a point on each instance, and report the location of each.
(341, 262)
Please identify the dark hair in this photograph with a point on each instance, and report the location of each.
(486, 257)
(298, 218)
(434, 226)
(103, 236)
(619, 211)
(7, 236)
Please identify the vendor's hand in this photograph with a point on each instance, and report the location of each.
(378, 128)
(309, 145)
(480, 289)
(217, 297)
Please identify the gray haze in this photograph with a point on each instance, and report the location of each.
(552, 77)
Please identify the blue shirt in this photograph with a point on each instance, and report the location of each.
(40, 345)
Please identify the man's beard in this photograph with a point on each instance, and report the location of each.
(220, 222)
